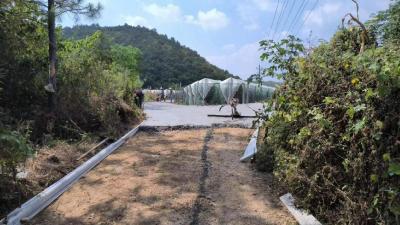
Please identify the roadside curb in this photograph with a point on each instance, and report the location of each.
(251, 148)
(300, 215)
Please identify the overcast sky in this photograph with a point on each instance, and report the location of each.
(227, 32)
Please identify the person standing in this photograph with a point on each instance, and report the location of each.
(136, 97)
(139, 98)
(162, 95)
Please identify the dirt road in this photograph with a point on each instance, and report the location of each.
(172, 177)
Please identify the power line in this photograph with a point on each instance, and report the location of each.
(299, 13)
(286, 18)
(279, 18)
(306, 18)
(273, 20)
(277, 29)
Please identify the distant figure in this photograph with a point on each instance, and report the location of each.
(233, 103)
(139, 98)
(162, 95)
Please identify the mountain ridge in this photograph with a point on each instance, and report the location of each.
(164, 63)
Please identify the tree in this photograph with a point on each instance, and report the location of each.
(22, 57)
(163, 62)
(53, 9)
(281, 56)
(385, 25)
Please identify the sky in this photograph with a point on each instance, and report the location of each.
(227, 32)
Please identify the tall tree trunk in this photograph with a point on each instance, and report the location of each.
(51, 14)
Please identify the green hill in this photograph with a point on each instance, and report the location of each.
(164, 61)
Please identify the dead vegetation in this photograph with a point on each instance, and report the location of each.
(47, 166)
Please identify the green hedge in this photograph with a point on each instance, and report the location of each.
(334, 133)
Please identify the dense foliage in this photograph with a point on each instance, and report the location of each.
(385, 24)
(90, 70)
(96, 79)
(333, 127)
(22, 58)
(165, 62)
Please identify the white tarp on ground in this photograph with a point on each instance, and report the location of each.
(198, 92)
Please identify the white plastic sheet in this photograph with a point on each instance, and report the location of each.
(229, 88)
(198, 92)
(204, 87)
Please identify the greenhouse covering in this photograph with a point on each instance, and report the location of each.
(209, 92)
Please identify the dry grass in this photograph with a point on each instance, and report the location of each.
(154, 179)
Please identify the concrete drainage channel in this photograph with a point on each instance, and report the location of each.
(38, 203)
(35, 205)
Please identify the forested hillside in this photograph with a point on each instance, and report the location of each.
(164, 62)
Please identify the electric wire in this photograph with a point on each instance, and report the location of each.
(308, 15)
(280, 7)
(286, 18)
(273, 20)
(279, 18)
(299, 13)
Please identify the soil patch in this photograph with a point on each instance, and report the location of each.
(172, 177)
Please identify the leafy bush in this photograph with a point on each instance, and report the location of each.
(94, 78)
(13, 151)
(95, 84)
(23, 58)
(92, 68)
(333, 135)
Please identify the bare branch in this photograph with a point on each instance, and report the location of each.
(364, 33)
(357, 7)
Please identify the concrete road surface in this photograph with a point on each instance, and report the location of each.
(167, 114)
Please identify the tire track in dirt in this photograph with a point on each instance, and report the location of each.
(201, 197)
(175, 177)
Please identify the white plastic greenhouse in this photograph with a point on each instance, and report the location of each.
(210, 92)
